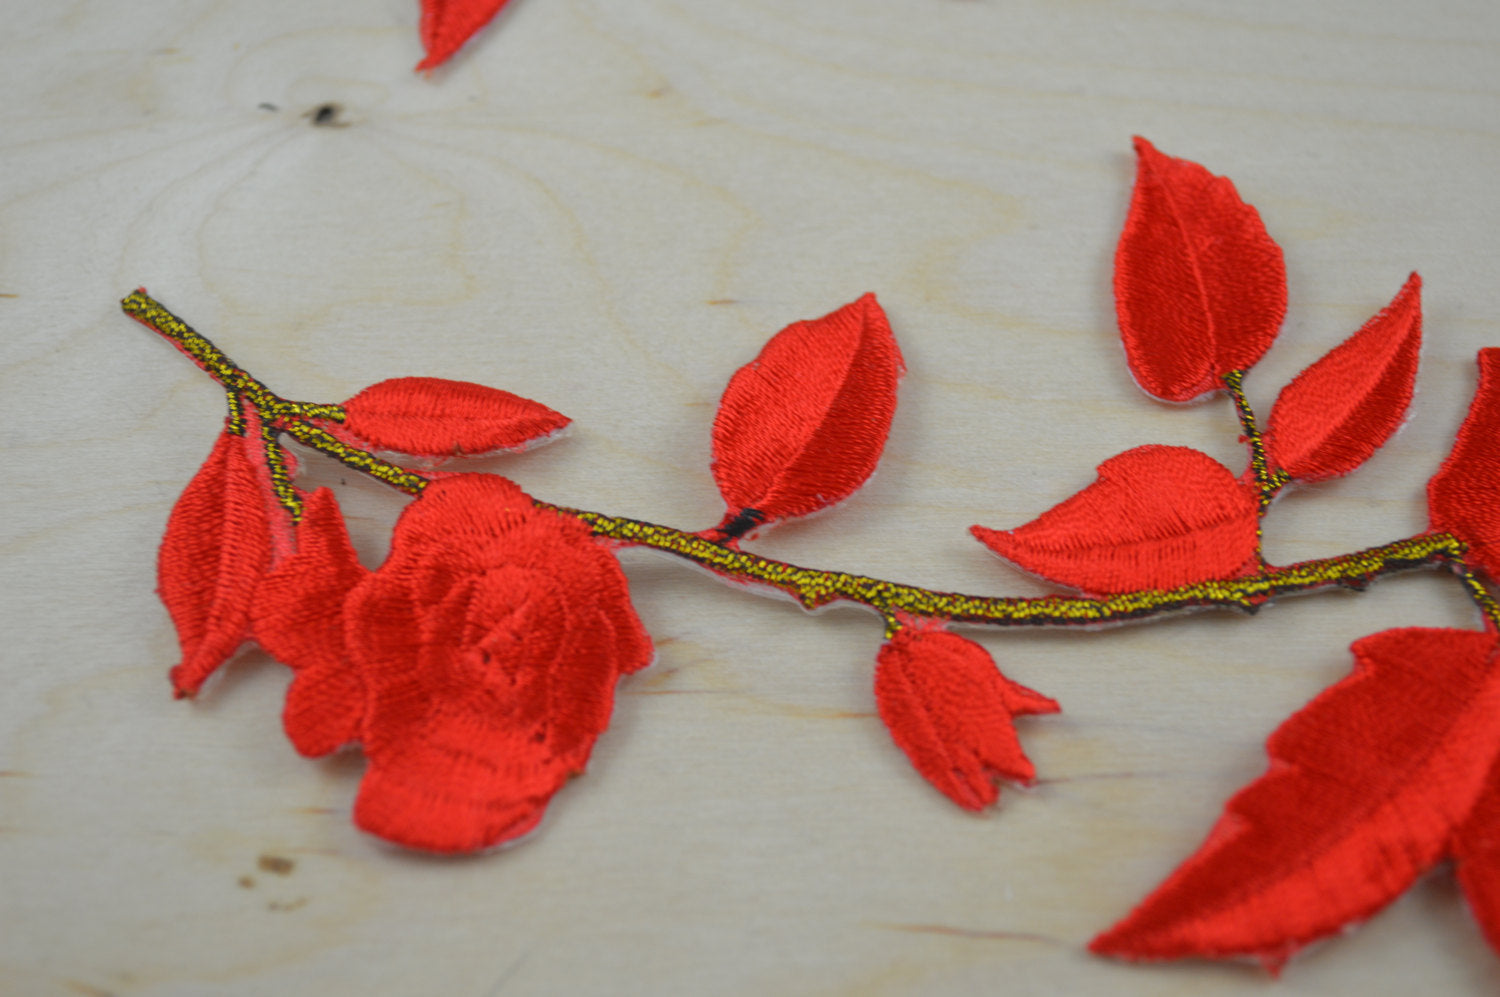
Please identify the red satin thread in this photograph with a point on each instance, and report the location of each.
(433, 417)
(1200, 288)
(447, 24)
(802, 426)
(1156, 518)
(951, 711)
(1461, 496)
(299, 619)
(489, 643)
(1365, 789)
(216, 548)
(1339, 411)
(1476, 857)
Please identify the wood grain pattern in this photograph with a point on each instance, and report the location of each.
(608, 207)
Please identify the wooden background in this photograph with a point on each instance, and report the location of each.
(608, 206)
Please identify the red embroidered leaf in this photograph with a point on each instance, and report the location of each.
(1476, 853)
(433, 417)
(1339, 411)
(299, 619)
(489, 642)
(1156, 518)
(949, 708)
(1365, 788)
(1462, 496)
(803, 425)
(1200, 288)
(216, 548)
(447, 24)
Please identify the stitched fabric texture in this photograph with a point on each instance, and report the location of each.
(489, 644)
(447, 24)
(433, 417)
(1157, 517)
(216, 548)
(1366, 787)
(802, 426)
(1343, 408)
(1461, 496)
(950, 710)
(299, 619)
(1200, 288)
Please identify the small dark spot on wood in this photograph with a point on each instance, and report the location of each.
(246, 882)
(277, 864)
(326, 116)
(266, 105)
(297, 904)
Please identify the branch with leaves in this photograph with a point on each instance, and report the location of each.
(476, 667)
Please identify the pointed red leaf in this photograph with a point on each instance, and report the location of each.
(216, 548)
(949, 708)
(1366, 785)
(1463, 498)
(433, 417)
(447, 24)
(1339, 411)
(1476, 854)
(803, 425)
(1156, 518)
(1200, 288)
(299, 619)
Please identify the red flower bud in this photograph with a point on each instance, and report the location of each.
(949, 708)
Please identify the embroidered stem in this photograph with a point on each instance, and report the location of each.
(1481, 595)
(153, 315)
(1269, 483)
(813, 587)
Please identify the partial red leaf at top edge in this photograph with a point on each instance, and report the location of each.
(1200, 288)
(215, 551)
(802, 426)
(447, 24)
(951, 711)
(434, 417)
(299, 618)
(1157, 517)
(1476, 855)
(1339, 411)
(1365, 788)
(1462, 496)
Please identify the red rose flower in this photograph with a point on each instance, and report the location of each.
(489, 644)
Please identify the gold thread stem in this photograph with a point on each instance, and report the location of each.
(1481, 595)
(813, 587)
(281, 478)
(236, 380)
(361, 460)
(1268, 482)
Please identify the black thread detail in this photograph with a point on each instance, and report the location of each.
(743, 522)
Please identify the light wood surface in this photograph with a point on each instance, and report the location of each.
(608, 206)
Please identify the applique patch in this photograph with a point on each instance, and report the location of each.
(476, 667)
(447, 24)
